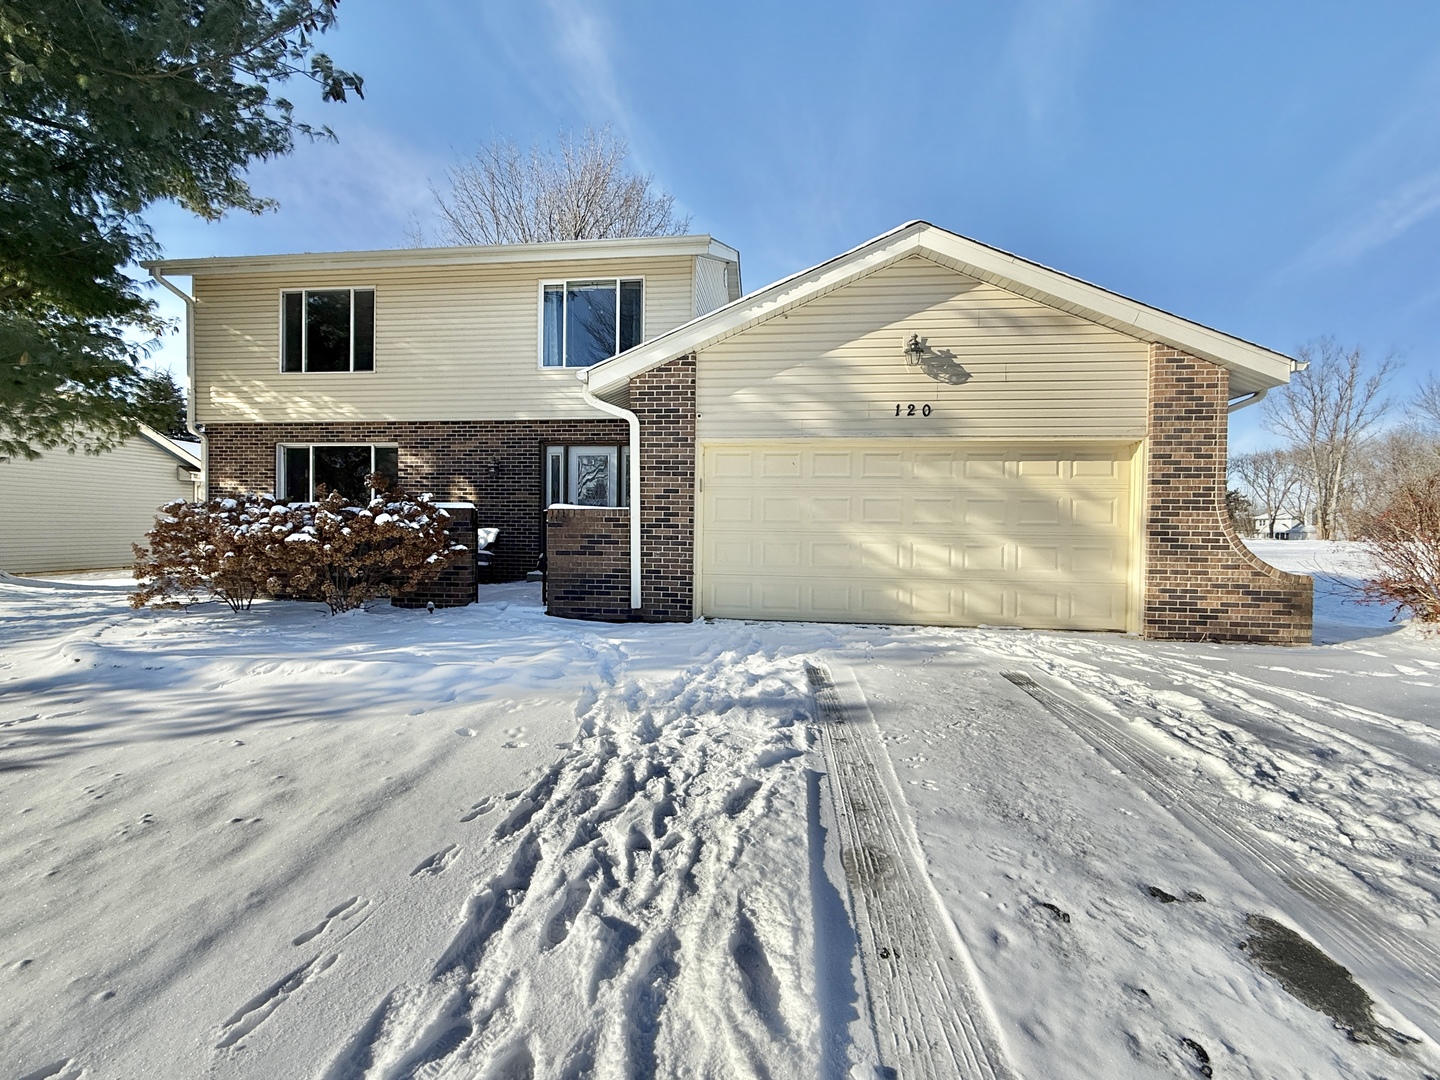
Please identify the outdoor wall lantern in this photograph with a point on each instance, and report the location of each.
(915, 350)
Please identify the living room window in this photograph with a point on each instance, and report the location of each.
(584, 322)
(327, 330)
(302, 471)
(587, 475)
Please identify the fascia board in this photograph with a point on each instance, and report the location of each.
(1120, 313)
(563, 251)
(186, 458)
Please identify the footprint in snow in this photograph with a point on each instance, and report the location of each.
(437, 862)
(465, 732)
(340, 911)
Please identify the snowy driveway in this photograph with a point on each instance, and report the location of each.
(487, 843)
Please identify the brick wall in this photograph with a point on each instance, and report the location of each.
(664, 400)
(1201, 582)
(495, 464)
(455, 587)
(588, 563)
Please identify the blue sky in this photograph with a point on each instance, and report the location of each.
(1272, 170)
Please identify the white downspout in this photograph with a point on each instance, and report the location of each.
(634, 485)
(1250, 399)
(189, 302)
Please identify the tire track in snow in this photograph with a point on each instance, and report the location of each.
(1363, 803)
(929, 1016)
(629, 930)
(1390, 958)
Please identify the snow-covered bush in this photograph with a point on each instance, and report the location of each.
(1404, 541)
(331, 550)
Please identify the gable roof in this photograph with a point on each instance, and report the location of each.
(1252, 366)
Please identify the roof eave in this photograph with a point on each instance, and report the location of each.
(478, 255)
(1256, 366)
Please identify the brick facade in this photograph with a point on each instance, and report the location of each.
(495, 464)
(664, 400)
(588, 563)
(1201, 582)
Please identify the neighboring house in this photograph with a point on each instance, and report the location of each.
(922, 430)
(67, 511)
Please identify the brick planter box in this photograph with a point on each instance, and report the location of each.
(455, 587)
(587, 560)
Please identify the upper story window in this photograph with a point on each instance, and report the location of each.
(584, 322)
(327, 330)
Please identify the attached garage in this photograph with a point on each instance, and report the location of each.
(927, 430)
(918, 531)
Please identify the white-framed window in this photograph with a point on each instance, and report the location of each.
(587, 475)
(584, 322)
(302, 470)
(327, 330)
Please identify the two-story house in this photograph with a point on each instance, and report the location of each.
(451, 369)
(921, 430)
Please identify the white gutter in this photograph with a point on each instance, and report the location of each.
(1248, 400)
(190, 302)
(634, 422)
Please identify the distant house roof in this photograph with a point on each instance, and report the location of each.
(1253, 367)
(177, 450)
(474, 255)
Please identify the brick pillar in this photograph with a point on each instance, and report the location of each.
(587, 560)
(1201, 582)
(664, 400)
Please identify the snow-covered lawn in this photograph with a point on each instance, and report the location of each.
(489, 843)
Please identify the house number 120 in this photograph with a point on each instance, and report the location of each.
(909, 410)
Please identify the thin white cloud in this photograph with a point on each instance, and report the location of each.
(1049, 44)
(1386, 219)
(586, 44)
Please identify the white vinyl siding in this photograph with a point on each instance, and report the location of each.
(81, 511)
(836, 367)
(919, 531)
(452, 343)
(712, 286)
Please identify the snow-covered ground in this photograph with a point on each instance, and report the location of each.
(489, 843)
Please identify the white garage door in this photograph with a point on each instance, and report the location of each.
(917, 532)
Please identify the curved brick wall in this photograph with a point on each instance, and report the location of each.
(1201, 582)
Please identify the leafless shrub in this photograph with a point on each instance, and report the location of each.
(1404, 541)
(331, 550)
(580, 191)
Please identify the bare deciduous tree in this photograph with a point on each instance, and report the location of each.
(579, 191)
(1327, 411)
(1272, 479)
(1426, 406)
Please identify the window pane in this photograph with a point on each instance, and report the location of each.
(589, 322)
(295, 479)
(327, 330)
(553, 326)
(632, 312)
(555, 475)
(592, 478)
(387, 464)
(364, 330)
(290, 332)
(343, 469)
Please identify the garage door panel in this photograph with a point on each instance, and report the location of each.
(919, 532)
